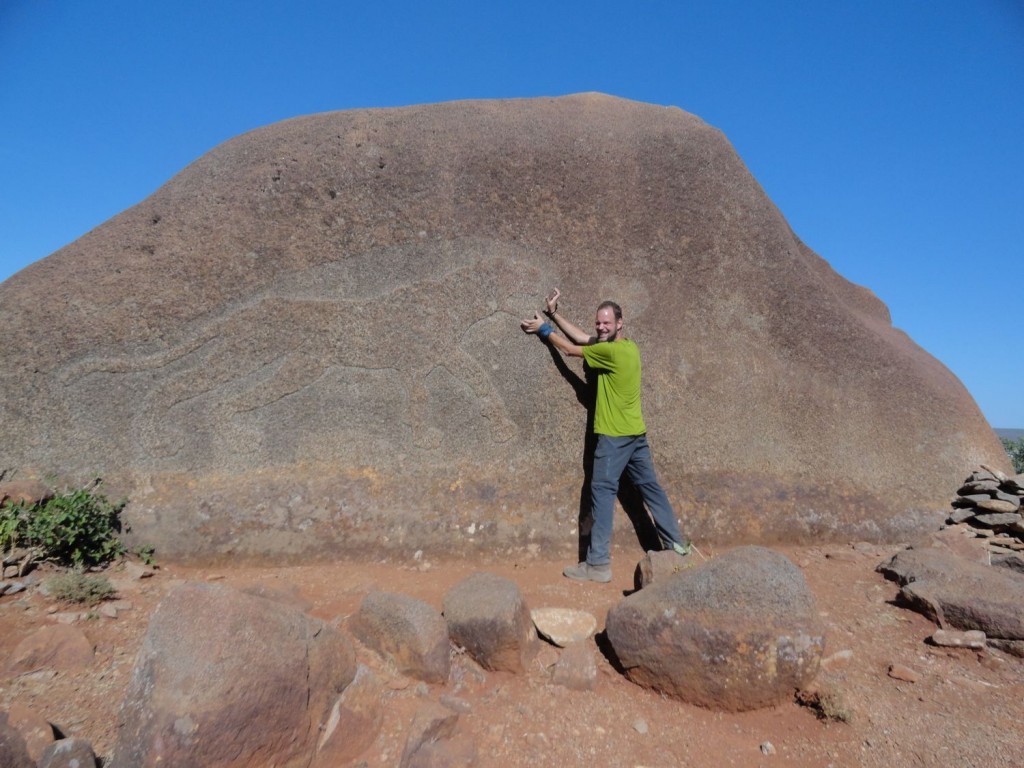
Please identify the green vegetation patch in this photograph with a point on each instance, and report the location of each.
(1015, 450)
(80, 588)
(77, 528)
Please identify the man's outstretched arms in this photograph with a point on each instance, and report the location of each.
(575, 334)
(538, 325)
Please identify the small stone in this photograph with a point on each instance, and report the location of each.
(640, 726)
(1010, 498)
(842, 556)
(975, 487)
(998, 506)
(11, 587)
(455, 704)
(948, 638)
(547, 657)
(767, 748)
(904, 673)
(837, 659)
(1006, 543)
(960, 515)
(564, 626)
(576, 669)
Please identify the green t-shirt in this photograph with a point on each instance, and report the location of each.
(617, 364)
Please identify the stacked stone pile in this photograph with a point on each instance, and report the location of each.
(990, 503)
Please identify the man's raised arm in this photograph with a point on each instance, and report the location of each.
(538, 325)
(574, 332)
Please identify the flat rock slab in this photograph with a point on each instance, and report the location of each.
(564, 626)
(959, 594)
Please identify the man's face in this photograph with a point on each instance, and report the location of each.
(606, 325)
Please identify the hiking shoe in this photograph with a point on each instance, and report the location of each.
(680, 549)
(586, 572)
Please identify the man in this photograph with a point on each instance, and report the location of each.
(619, 427)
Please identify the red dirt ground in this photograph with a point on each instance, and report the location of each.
(963, 709)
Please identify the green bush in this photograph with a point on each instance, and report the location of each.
(1015, 450)
(77, 528)
(77, 587)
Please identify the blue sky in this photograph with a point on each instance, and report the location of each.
(888, 132)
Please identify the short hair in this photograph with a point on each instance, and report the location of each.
(615, 308)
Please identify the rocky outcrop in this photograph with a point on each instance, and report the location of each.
(229, 679)
(310, 336)
(738, 632)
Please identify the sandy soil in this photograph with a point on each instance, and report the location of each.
(963, 708)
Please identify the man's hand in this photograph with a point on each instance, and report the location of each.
(551, 303)
(532, 324)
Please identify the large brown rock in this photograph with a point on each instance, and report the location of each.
(225, 679)
(310, 335)
(738, 632)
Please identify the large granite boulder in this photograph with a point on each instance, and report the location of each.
(228, 679)
(738, 632)
(311, 335)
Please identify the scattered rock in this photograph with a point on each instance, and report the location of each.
(904, 673)
(997, 518)
(1012, 647)
(28, 492)
(455, 704)
(13, 752)
(229, 679)
(577, 668)
(429, 745)
(68, 753)
(949, 638)
(767, 748)
(408, 631)
(354, 721)
(661, 565)
(488, 616)
(737, 632)
(640, 726)
(564, 626)
(959, 594)
(837, 659)
(1014, 562)
(11, 587)
(57, 647)
(33, 727)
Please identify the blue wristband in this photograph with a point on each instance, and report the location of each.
(545, 330)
